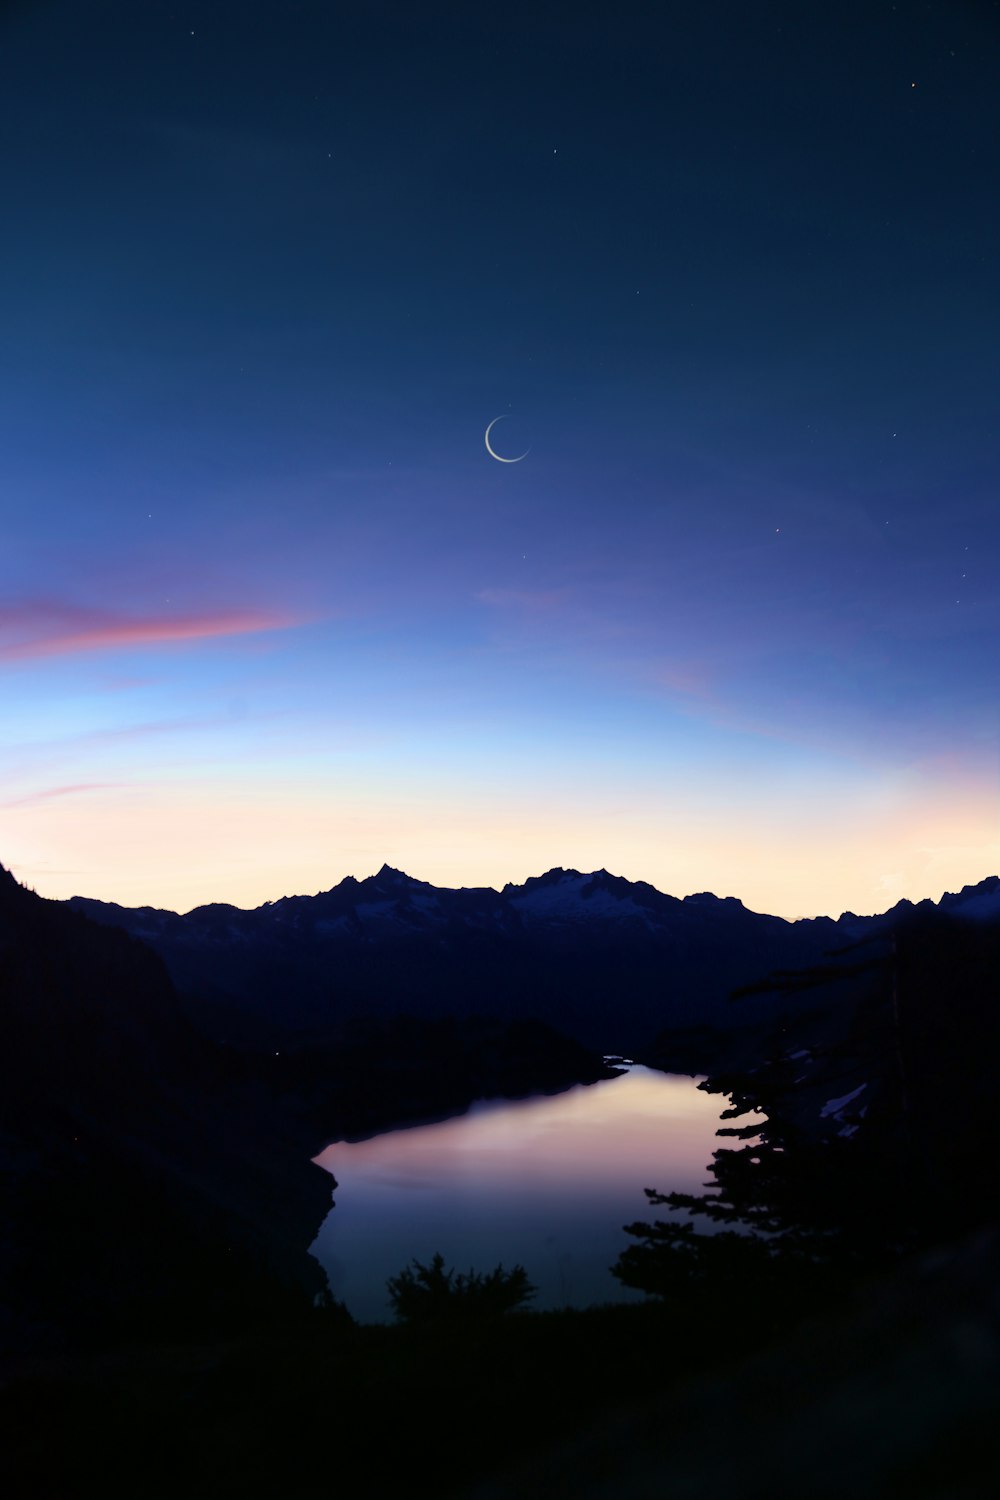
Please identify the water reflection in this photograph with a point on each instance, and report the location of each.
(547, 1182)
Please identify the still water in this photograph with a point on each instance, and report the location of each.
(546, 1182)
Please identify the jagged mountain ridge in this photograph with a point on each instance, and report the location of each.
(610, 961)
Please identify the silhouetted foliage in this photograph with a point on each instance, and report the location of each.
(672, 1258)
(430, 1294)
(334, 1314)
(786, 1203)
(903, 1043)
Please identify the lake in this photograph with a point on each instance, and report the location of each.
(547, 1182)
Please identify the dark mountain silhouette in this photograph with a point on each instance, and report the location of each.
(153, 1179)
(875, 1065)
(142, 1186)
(608, 961)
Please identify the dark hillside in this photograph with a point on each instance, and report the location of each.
(155, 1179)
(140, 1188)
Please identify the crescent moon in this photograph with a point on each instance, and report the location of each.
(497, 456)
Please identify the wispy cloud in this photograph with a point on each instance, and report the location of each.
(46, 794)
(691, 679)
(126, 684)
(532, 600)
(39, 628)
(26, 758)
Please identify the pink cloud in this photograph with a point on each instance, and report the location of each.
(122, 684)
(47, 793)
(38, 628)
(691, 678)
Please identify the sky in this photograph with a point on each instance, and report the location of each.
(271, 613)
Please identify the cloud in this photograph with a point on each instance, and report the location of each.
(692, 679)
(26, 758)
(39, 628)
(121, 683)
(46, 794)
(532, 600)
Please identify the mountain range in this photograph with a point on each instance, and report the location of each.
(164, 1079)
(157, 1198)
(610, 962)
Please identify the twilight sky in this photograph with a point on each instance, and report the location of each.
(271, 614)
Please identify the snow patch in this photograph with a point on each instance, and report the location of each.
(424, 903)
(368, 909)
(328, 927)
(984, 906)
(569, 899)
(833, 1107)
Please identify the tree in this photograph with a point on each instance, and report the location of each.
(806, 1193)
(335, 1314)
(430, 1294)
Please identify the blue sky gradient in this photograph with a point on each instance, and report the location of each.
(270, 613)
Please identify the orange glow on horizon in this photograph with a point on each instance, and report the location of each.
(181, 844)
